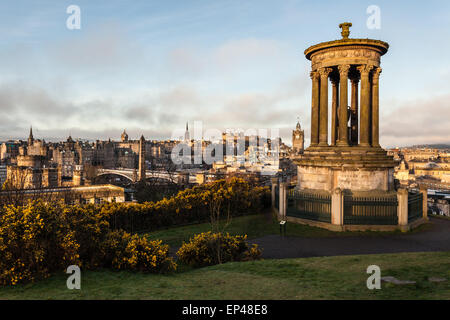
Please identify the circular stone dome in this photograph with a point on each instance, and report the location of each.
(346, 51)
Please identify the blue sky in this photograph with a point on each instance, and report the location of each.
(150, 66)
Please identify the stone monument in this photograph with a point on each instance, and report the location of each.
(344, 154)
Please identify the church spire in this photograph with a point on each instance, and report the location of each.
(186, 134)
(30, 137)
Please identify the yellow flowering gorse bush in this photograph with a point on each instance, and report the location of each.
(31, 245)
(141, 254)
(189, 206)
(38, 239)
(209, 248)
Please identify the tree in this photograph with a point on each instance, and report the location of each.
(219, 201)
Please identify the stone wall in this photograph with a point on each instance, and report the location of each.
(326, 178)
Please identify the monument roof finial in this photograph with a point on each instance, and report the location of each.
(345, 26)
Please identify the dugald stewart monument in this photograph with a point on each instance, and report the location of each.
(345, 178)
(344, 161)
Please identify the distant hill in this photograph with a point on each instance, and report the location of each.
(433, 146)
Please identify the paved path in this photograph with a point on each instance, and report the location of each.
(437, 238)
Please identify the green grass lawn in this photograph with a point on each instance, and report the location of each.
(257, 226)
(342, 277)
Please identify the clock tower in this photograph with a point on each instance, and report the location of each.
(298, 139)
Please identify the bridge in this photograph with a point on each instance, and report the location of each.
(131, 175)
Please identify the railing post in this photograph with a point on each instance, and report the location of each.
(424, 192)
(274, 186)
(402, 209)
(282, 212)
(337, 208)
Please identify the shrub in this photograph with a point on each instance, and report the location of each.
(90, 229)
(38, 239)
(209, 248)
(193, 205)
(34, 241)
(137, 253)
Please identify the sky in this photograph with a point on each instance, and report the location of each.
(151, 66)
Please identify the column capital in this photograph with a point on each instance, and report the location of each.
(334, 80)
(354, 80)
(324, 72)
(354, 77)
(364, 69)
(376, 73)
(343, 69)
(314, 75)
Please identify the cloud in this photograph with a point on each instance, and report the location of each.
(180, 96)
(236, 53)
(107, 47)
(20, 98)
(417, 122)
(185, 61)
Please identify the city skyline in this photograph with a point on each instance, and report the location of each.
(151, 67)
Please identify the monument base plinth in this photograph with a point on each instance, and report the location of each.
(353, 168)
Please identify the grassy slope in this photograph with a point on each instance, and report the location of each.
(342, 277)
(257, 226)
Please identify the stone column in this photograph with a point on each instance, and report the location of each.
(424, 192)
(280, 200)
(323, 112)
(375, 107)
(274, 185)
(354, 108)
(365, 105)
(343, 103)
(337, 208)
(402, 209)
(334, 110)
(142, 169)
(315, 108)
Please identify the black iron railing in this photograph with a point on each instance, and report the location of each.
(309, 205)
(415, 206)
(277, 197)
(370, 210)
